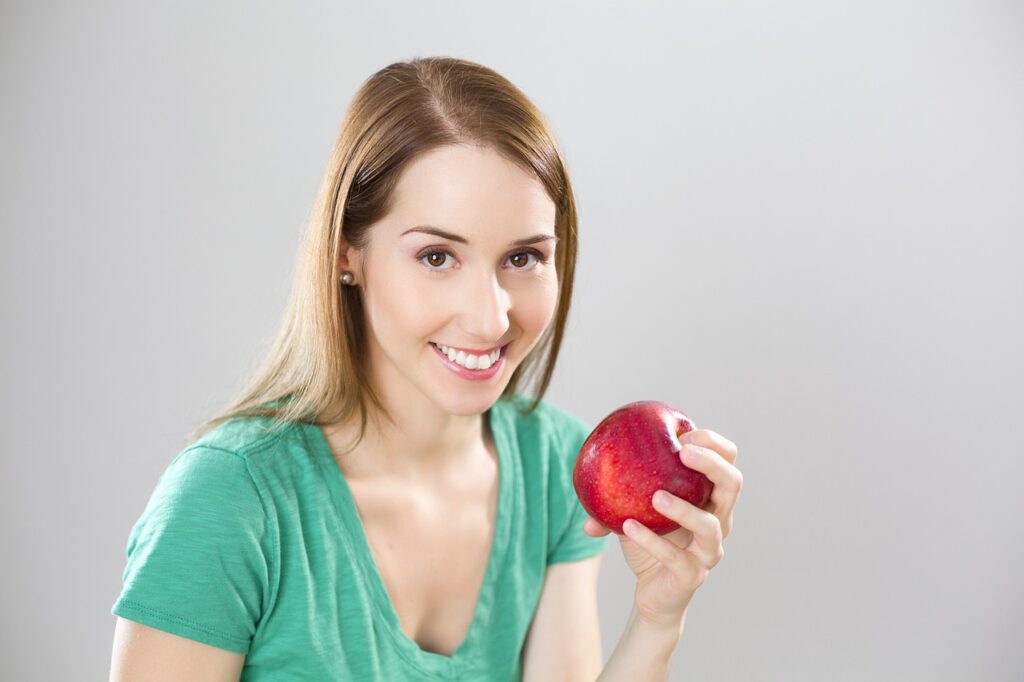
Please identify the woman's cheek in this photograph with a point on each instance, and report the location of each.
(542, 304)
(404, 302)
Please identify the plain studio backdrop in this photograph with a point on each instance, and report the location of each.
(801, 223)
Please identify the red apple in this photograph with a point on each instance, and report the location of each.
(631, 453)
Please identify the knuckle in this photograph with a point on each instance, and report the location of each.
(711, 527)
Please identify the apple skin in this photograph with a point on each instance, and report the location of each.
(630, 454)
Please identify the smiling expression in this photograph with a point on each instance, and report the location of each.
(464, 260)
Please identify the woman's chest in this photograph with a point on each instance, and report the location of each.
(431, 550)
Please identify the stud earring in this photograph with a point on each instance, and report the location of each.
(347, 278)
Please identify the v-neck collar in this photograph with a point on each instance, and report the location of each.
(358, 546)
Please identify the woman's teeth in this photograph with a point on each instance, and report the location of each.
(470, 361)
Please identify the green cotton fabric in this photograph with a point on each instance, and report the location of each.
(252, 542)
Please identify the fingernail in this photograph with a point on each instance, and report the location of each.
(661, 499)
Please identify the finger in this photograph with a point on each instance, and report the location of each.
(705, 526)
(680, 537)
(595, 529)
(727, 479)
(679, 561)
(711, 440)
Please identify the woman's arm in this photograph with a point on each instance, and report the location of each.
(643, 652)
(145, 653)
(564, 640)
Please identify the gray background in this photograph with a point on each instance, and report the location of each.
(801, 224)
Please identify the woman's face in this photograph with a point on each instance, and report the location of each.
(475, 290)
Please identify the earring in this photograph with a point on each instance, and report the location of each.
(347, 278)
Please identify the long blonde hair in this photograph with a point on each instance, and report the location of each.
(318, 360)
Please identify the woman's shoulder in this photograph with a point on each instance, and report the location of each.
(219, 463)
(547, 422)
(550, 431)
(244, 436)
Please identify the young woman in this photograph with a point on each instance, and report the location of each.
(382, 502)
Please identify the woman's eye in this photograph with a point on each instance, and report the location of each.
(521, 257)
(434, 260)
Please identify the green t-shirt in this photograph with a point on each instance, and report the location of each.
(251, 542)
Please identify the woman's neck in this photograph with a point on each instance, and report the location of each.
(420, 445)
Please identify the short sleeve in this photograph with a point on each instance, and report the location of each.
(197, 562)
(573, 544)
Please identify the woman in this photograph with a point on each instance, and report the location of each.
(382, 502)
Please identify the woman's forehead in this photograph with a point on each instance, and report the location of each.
(471, 193)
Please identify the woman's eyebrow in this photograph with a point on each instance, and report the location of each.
(444, 234)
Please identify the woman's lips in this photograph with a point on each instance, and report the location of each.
(470, 351)
(472, 374)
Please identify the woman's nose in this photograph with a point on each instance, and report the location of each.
(486, 310)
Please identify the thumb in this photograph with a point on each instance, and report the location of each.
(594, 529)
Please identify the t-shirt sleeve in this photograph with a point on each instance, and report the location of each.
(198, 564)
(573, 543)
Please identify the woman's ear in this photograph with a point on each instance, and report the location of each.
(351, 261)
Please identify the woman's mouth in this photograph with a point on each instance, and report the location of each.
(471, 366)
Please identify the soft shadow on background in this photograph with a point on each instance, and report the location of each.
(802, 223)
